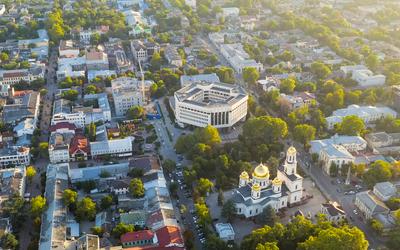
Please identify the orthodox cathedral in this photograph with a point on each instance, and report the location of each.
(258, 192)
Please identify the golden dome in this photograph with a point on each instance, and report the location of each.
(276, 181)
(291, 151)
(244, 175)
(261, 171)
(256, 187)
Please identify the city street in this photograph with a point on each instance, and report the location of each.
(324, 183)
(167, 151)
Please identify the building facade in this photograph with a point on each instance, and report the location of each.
(217, 104)
(127, 92)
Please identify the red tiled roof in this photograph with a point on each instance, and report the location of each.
(14, 74)
(79, 142)
(22, 92)
(62, 125)
(135, 236)
(169, 235)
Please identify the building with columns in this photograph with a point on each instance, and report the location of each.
(254, 194)
(217, 104)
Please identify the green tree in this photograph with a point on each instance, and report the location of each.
(8, 241)
(208, 135)
(351, 125)
(378, 171)
(204, 186)
(30, 173)
(304, 133)
(228, 210)
(250, 75)
(13, 208)
(136, 188)
(43, 148)
(268, 217)
(203, 213)
(372, 61)
(320, 70)
(97, 231)
(121, 229)
(213, 242)
(135, 112)
(71, 94)
(287, 86)
(85, 209)
(69, 197)
(106, 202)
(169, 165)
(92, 131)
(220, 197)
(337, 238)
(267, 246)
(38, 205)
(4, 57)
(91, 89)
(377, 226)
(156, 61)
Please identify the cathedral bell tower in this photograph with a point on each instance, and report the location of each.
(290, 165)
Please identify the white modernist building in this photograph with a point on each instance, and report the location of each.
(127, 92)
(367, 113)
(255, 194)
(218, 104)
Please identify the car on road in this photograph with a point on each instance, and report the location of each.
(355, 211)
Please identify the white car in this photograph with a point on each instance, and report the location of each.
(355, 211)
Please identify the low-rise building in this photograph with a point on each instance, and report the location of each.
(333, 212)
(363, 76)
(85, 36)
(231, 12)
(207, 78)
(238, 57)
(96, 60)
(172, 56)
(350, 143)
(225, 231)
(53, 231)
(385, 190)
(100, 111)
(68, 49)
(143, 51)
(370, 205)
(218, 104)
(334, 154)
(79, 148)
(138, 238)
(14, 156)
(368, 114)
(383, 143)
(269, 83)
(297, 100)
(116, 147)
(62, 112)
(26, 105)
(15, 76)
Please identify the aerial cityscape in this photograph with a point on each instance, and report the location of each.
(200, 124)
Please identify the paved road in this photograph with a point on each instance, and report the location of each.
(168, 152)
(330, 190)
(34, 188)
